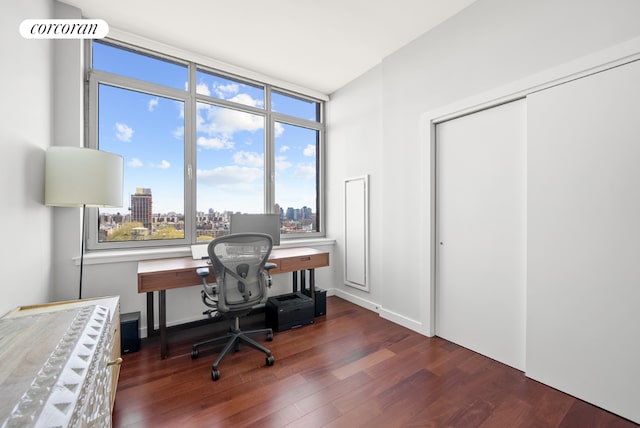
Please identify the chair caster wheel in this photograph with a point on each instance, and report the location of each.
(269, 337)
(194, 354)
(215, 374)
(270, 360)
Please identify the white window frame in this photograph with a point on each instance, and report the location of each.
(190, 98)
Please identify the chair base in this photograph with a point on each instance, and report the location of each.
(233, 339)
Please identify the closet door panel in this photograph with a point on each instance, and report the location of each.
(480, 221)
(583, 285)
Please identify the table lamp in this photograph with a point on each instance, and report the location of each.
(82, 177)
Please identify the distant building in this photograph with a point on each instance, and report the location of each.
(142, 207)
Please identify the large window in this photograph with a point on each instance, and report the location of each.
(199, 145)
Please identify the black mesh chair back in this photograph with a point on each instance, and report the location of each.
(238, 264)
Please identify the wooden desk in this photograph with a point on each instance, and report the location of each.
(164, 274)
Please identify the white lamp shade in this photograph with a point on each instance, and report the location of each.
(76, 176)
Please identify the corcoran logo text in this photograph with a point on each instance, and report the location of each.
(64, 29)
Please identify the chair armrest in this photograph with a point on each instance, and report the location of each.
(202, 272)
(268, 266)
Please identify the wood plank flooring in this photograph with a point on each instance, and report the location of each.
(350, 368)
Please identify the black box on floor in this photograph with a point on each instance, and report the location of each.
(289, 311)
(321, 300)
(130, 332)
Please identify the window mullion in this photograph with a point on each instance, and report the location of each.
(269, 155)
(191, 179)
(284, 118)
(229, 104)
(136, 85)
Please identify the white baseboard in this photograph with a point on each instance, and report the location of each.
(355, 300)
(403, 321)
(367, 304)
(375, 307)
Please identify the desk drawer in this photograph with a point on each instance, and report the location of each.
(312, 261)
(165, 280)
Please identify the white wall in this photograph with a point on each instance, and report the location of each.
(489, 44)
(68, 114)
(25, 134)
(354, 135)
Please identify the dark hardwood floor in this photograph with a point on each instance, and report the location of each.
(351, 368)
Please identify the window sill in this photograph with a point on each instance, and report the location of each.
(121, 256)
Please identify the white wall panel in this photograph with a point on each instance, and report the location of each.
(356, 232)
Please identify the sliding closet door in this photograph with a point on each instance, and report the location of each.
(583, 299)
(480, 216)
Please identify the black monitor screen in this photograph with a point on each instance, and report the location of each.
(260, 223)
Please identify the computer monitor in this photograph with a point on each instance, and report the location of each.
(260, 223)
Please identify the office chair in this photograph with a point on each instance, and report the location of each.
(242, 275)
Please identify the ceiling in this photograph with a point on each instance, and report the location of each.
(317, 44)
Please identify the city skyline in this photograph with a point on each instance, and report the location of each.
(147, 192)
(140, 223)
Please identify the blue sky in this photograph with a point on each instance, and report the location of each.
(148, 131)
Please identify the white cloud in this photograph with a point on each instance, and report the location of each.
(162, 165)
(224, 122)
(284, 149)
(252, 159)
(230, 177)
(224, 91)
(310, 150)
(305, 171)
(202, 88)
(123, 132)
(153, 103)
(180, 106)
(178, 133)
(230, 91)
(247, 100)
(278, 129)
(214, 143)
(134, 163)
(282, 163)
